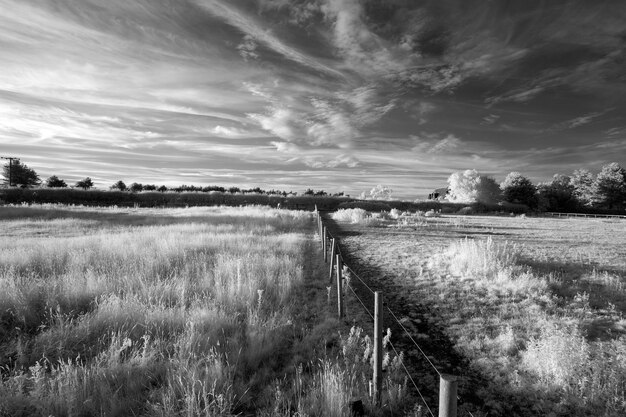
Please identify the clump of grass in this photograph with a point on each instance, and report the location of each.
(481, 258)
(490, 263)
(589, 373)
(355, 216)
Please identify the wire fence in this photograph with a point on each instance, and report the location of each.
(364, 285)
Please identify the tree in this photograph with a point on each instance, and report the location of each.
(557, 195)
(55, 182)
(135, 187)
(516, 188)
(85, 184)
(149, 187)
(17, 173)
(162, 189)
(381, 192)
(584, 187)
(119, 186)
(470, 187)
(610, 186)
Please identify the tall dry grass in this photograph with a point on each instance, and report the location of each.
(145, 312)
(531, 344)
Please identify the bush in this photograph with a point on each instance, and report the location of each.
(432, 213)
(466, 210)
(365, 205)
(355, 216)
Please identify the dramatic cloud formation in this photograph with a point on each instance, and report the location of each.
(327, 94)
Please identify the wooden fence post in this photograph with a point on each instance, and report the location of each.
(325, 244)
(378, 346)
(340, 311)
(447, 395)
(332, 258)
(320, 226)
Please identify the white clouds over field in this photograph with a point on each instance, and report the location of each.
(343, 93)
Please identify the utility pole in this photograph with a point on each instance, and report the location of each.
(11, 159)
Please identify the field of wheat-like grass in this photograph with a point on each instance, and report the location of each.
(113, 311)
(171, 312)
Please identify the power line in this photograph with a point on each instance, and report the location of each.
(11, 159)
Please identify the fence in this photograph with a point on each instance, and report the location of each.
(595, 216)
(448, 384)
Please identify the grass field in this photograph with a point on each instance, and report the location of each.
(531, 308)
(175, 312)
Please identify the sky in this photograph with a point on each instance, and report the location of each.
(339, 95)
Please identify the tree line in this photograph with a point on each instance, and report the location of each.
(20, 175)
(580, 191)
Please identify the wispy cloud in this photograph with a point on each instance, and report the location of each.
(310, 93)
(251, 27)
(491, 119)
(248, 48)
(579, 121)
(447, 144)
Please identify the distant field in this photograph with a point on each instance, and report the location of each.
(174, 312)
(530, 311)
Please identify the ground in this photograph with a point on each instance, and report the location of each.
(484, 330)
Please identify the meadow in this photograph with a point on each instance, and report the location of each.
(172, 312)
(531, 309)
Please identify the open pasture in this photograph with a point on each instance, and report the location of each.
(532, 308)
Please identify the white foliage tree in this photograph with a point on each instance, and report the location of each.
(380, 192)
(470, 187)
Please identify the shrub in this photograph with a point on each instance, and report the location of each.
(365, 205)
(432, 213)
(355, 216)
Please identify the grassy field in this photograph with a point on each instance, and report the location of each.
(175, 312)
(529, 311)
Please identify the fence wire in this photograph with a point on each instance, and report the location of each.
(411, 379)
(353, 273)
(413, 340)
(360, 301)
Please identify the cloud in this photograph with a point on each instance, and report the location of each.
(615, 131)
(363, 50)
(520, 95)
(435, 78)
(247, 48)
(339, 161)
(364, 105)
(334, 119)
(229, 132)
(330, 126)
(264, 35)
(447, 144)
(491, 119)
(286, 147)
(438, 144)
(281, 122)
(579, 121)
